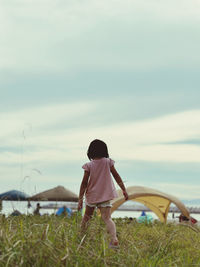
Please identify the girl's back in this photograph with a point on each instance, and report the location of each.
(100, 186)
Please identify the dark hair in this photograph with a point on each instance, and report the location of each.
(97, 149)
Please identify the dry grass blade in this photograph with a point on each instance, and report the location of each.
(66, 256)
(19, 241)
(191, 227)
(9, 258)
(81, 242)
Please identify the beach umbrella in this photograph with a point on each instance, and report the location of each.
(14, 195)
(16, 213)
(155, 200)
(58, 193)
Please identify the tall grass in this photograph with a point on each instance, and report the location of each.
(57, 241)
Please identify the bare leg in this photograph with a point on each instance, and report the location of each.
(87, 216)
(110, 225)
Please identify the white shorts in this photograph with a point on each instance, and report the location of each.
(100, 205)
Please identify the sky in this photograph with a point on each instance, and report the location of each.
(123, 71)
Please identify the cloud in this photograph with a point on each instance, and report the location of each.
(53, 139)
(188, 141)
(46, 138)
(181, 191)
(128, 53)
(21, 122)
(66, 36)
(31, 182)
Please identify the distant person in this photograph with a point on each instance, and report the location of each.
(98, 187)
(1, 205)
(29, 204)
(143, 213)
(37, 210)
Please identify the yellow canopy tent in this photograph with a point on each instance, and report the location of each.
(155, 200)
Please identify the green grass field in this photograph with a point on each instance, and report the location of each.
(56, 241)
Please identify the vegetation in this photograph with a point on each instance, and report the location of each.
(57, 241)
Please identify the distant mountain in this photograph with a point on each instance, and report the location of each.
(193, 202)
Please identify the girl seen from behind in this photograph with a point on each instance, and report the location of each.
(98, 187)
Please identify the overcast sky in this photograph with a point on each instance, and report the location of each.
(123, 71)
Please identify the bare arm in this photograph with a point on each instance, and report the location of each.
(83, 188)
(119, 181)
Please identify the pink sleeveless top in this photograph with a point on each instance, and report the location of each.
(100, 186)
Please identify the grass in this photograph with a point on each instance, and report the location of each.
(56, 241)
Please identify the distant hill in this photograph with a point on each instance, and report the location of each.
(193, 202)
(188, 202)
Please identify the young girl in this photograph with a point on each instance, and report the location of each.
(98, 187)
